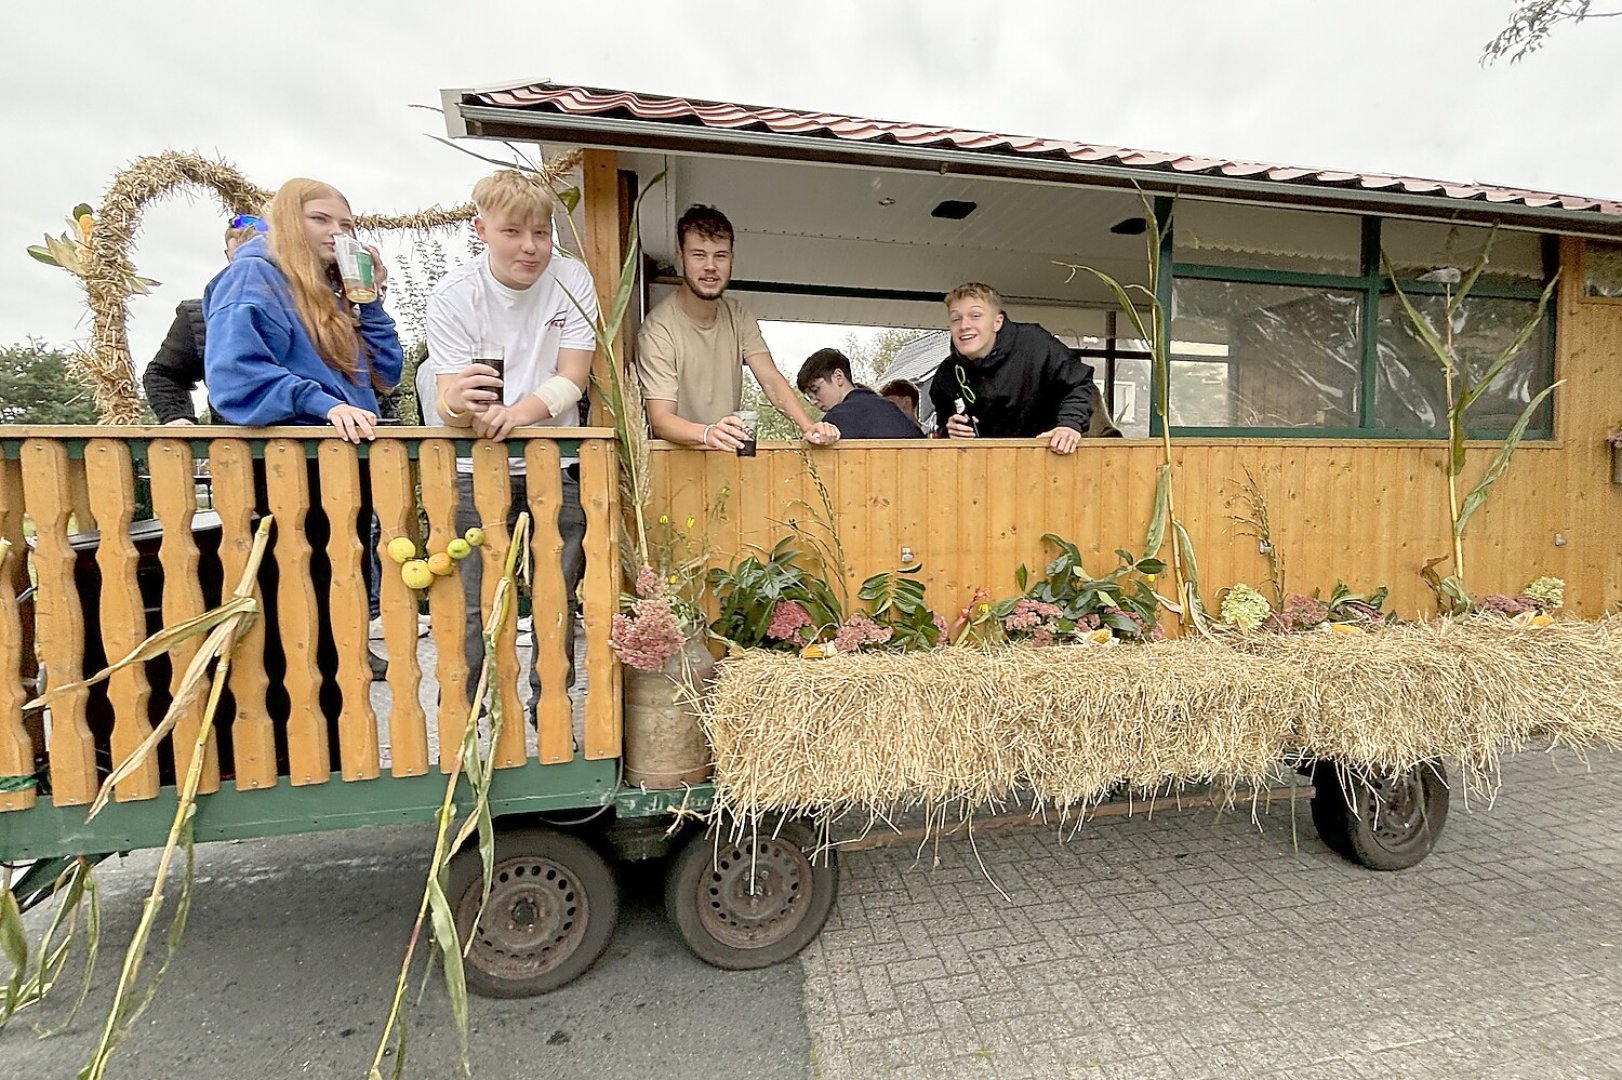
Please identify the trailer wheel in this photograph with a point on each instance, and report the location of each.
(751, 901)
(1381, 822)
(552, 908)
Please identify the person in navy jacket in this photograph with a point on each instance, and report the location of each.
(854, 409)
(283, 344)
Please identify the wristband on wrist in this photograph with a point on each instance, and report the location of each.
(445, 408)
(706, 436)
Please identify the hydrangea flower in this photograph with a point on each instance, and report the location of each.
(1548, 593)
(1245, 608)
(1499, 604)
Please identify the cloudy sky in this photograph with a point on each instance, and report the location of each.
(325, 89)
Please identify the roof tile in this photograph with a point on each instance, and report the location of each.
(589, 101)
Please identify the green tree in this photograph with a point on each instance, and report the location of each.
(40, 384)
(1530, 24)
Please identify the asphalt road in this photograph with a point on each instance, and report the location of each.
(291, 954)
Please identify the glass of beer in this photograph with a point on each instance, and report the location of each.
(357, 269)
(751, 421)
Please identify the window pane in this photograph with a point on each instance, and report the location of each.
(1414, 247)
(1409, 394)
(1602, 269)
(1260, 237)
(1264, 356)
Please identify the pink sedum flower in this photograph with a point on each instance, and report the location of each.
(649, 635)
(789, 618)
(648, 583)
(859, 630)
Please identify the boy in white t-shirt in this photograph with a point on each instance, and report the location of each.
(516, 295)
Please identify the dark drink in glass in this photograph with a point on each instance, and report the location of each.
(750, 421)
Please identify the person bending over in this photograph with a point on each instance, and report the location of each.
(855, 410)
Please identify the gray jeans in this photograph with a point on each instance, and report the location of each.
(572, 528)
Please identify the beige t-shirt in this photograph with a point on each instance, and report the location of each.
(699, 368)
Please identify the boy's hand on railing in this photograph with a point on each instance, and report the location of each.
(960, 427)
(822, 433)
(1062, 440)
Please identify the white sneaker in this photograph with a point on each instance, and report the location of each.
(374, 630)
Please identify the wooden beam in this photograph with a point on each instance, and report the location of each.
(604, 255)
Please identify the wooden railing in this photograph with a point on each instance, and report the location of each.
(108, 544)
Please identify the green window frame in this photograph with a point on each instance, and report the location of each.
(1373, 285)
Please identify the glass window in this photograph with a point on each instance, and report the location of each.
(1602, 269)
(1409, 394)
(1264, 355)
(1265, 238)
(1415, 247)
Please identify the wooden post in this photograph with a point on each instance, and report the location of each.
(492, 497)
(550, 608)
(253, 737)
(174, 500)
(604, 255)
(394, 494)
(16, 741)
(287, 483)
(59, 619)
(123, 616)
(339, 470)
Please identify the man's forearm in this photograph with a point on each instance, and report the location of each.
(673, 428)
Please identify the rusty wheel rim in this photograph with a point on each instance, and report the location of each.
(752, 903)
(535, 920)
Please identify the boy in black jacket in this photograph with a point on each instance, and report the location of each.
(177, 369)
(1009, 380)
(856, 411)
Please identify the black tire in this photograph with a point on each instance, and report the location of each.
(707, 895)
(1380, 822)
(552, 908)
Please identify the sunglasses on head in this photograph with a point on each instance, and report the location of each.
(249, 221)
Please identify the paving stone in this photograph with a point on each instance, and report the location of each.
(1191, 944)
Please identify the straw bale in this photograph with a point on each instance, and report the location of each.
(1063, 726)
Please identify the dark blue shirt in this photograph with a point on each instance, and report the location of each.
(865, 415)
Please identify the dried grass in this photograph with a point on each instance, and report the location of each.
(1063, 727)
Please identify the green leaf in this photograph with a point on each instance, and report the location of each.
(1157, 520)
(43, 255)
(1500, 461)
(1522, 336)
(81, 210)
(1021, 576)
(569, 197)
(450, 954)
(1421, 326)
(1150, 566)
(1469, 281)
(1122, 296)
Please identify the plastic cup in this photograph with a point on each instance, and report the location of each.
(751, 420)
(356, 268)
(491, 355)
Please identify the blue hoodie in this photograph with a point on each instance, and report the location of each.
(259, 362)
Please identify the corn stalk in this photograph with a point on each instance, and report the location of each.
(77, 887)
(224, 626)
(478, 768)
(1461, 395)
(1156, 331)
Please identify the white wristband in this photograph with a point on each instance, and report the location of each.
(705, 438)
(559, 393)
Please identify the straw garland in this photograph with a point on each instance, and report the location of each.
(117, 221)
(1064, 726)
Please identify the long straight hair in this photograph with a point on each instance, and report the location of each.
(308, 277)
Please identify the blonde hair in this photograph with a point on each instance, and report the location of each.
(523, 195)
(975, 290)
(308, 278)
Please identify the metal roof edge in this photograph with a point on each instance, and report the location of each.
(620, 133)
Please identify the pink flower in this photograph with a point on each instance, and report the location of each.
(940, 624)
(860, 630)
(647, 636)
(789, 617)
(648, 583)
